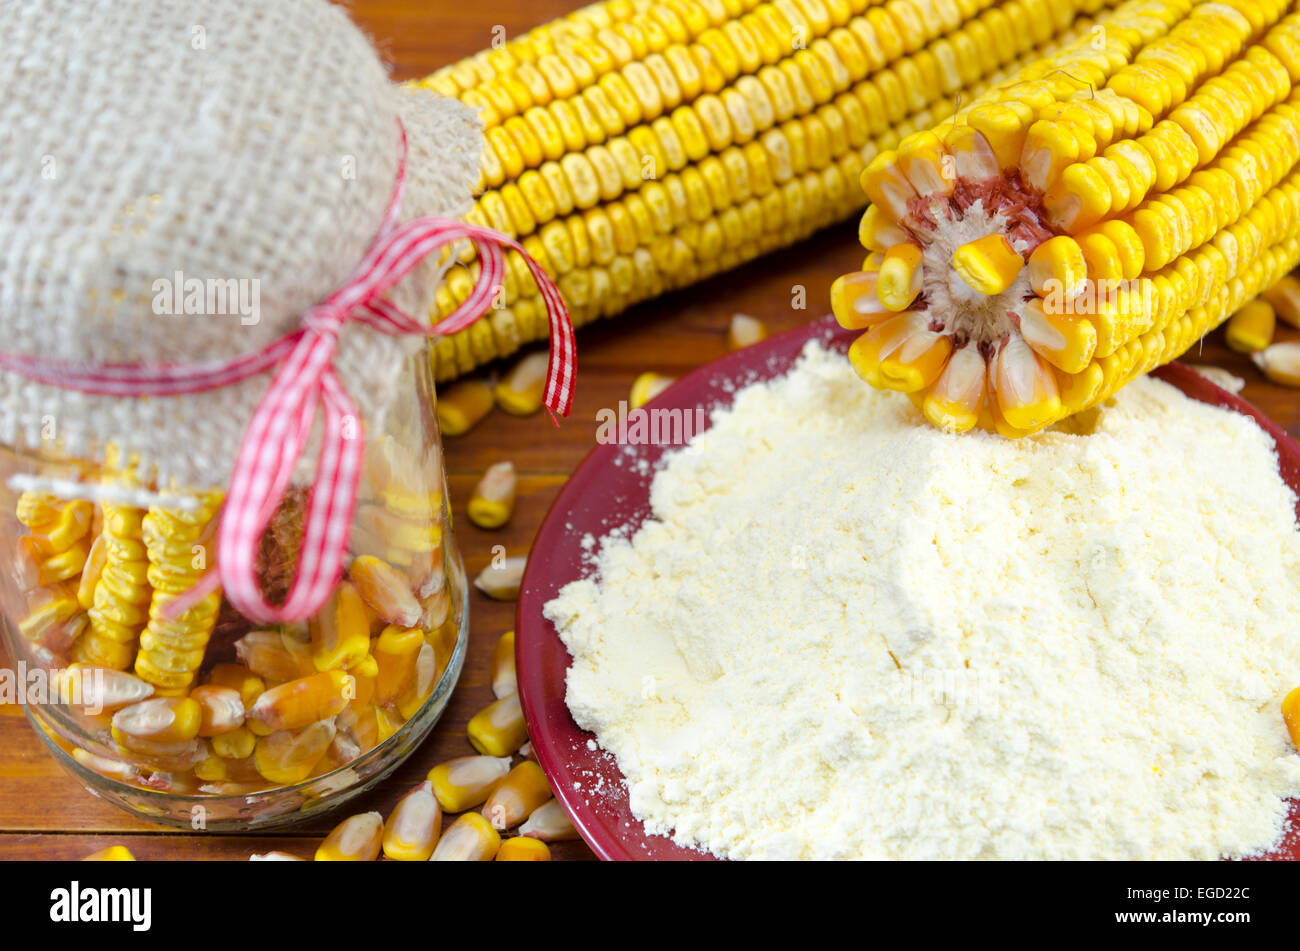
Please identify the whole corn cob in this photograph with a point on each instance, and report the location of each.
(636, 147)
(1085, 223)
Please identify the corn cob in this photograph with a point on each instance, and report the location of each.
(122, 593)
(171, 649)
(642, 165)
(1144, 174)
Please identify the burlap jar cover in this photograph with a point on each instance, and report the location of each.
(165, 156)
(216, 222)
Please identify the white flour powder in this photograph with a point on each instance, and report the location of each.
(845, 634)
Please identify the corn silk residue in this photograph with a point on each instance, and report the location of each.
(845, 634)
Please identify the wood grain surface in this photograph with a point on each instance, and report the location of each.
(45, 814)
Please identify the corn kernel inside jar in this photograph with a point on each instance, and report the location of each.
(201, 701)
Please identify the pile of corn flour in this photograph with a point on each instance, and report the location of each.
(846, 634)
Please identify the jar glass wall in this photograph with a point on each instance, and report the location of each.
(203, 719)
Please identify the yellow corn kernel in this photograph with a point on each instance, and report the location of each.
(161, 719)
(520, 392)
(549, 823)
(1285, 298)
(493, 500)
(340, 632)
(1057, 269)
(70, 524)
(744, 331)
(299, 703)
(240, 679)
(54, 625)
(1280, 363)
(463, 406)
(988, 264)
(498, 729)
(413, 826)
(876, 232)
(385, 590)
(518, 795)
(646, 387)
(1027, 392)
(466, 782)
(37, 509)
(221, 709)
(355, 839)
(396, 651)
(501, 581)
(237, 744)
(927, 166)
(1251, 328)
(1291, 715)
(469, 839)
(114, 853)
(288, 756)
(521, 849)
(503, 666)
(898, 281)
(422, 681)
(99, 688)
(91, 571)
(1066, 341)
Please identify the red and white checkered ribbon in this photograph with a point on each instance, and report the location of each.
(304, 382)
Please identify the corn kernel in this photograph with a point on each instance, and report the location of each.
(988, 264)
(520, 392)
(501, 582)
(302, 702)
(503, 666)
(899, 277)
(288, 757)
(466, 782)
(221, 709)
(1280, 363)
(493, 500)
(498, 729)
(237, 744)
(646, 387)
(355, 839)
(744, 331)
(518, 795)
(550, 823)
(1291, 715)
(160, 720)
(413, 826)
(114, 853)
(385, 590)
(463, 406)
(396, 651)
(1285, 298)
(340, 632)
(469, 839)
(274, 655)
(239, 678)
(520, 849)
(1251, 328)
(99, 688)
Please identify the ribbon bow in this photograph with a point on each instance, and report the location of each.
(305, 382)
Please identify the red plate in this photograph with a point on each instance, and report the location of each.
(611, 489)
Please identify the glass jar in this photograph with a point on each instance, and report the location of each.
(208, 721)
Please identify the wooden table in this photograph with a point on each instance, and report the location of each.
(45, 814)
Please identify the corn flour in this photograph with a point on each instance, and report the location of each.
(845, 634)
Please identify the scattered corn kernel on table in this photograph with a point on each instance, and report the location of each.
(45, 814)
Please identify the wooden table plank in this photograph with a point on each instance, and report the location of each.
(44, 814)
